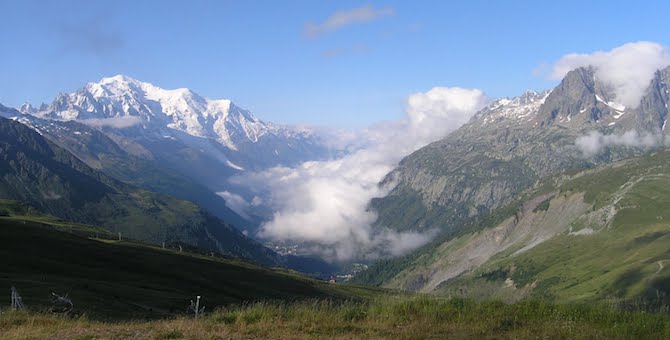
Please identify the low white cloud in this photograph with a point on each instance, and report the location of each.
(594, 142)
(120, 122)
(326, 203)
(434, 113)
(236, 203)
(341, 19)
(628, 69)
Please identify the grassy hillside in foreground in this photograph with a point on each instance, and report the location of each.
(124, 280)
(387, 318)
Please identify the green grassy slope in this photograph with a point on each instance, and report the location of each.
(625, 258)
(385, 318)
(593, 235)
(126, 280)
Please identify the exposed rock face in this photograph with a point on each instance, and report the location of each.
(576, 236)
(653, 110)
(510, 145)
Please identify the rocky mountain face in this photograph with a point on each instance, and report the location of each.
(509, 146)
(140, 214)
(591, 235)
(101, 153)
(35, 171)
(524, 211)
(188, 145)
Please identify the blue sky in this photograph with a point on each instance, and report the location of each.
(349, 72)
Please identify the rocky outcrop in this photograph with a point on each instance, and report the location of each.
(509, 146)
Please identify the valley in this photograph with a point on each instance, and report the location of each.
(241, 170)
(111, 279)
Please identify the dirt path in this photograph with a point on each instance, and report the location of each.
(660, 266)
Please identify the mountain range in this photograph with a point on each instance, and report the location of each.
(37, 172)
(557, 194)
(507, 193)
(234, 136)
(510, 145)
(204, 141)
(104, 185)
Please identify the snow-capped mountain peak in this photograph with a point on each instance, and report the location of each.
(161, 110)
(517, 109)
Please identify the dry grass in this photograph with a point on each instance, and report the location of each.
(391, 318)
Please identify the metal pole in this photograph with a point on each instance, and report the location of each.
(197, 306)
(17, 304)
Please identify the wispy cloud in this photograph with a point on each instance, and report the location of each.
(594, 142)
(415, 27)
(238, 204)
(343, 51)
(120, 122)
(345, 18)
(91, 36)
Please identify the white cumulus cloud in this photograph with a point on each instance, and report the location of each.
(441, 110)
(326, 203)
(628, 69)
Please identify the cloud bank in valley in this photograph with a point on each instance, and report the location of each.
(236, 203)
(120, 122)
(325, 203)
(595, 142)
(628, 69)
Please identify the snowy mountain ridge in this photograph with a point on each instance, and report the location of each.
(161, 110)
(518, 109)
